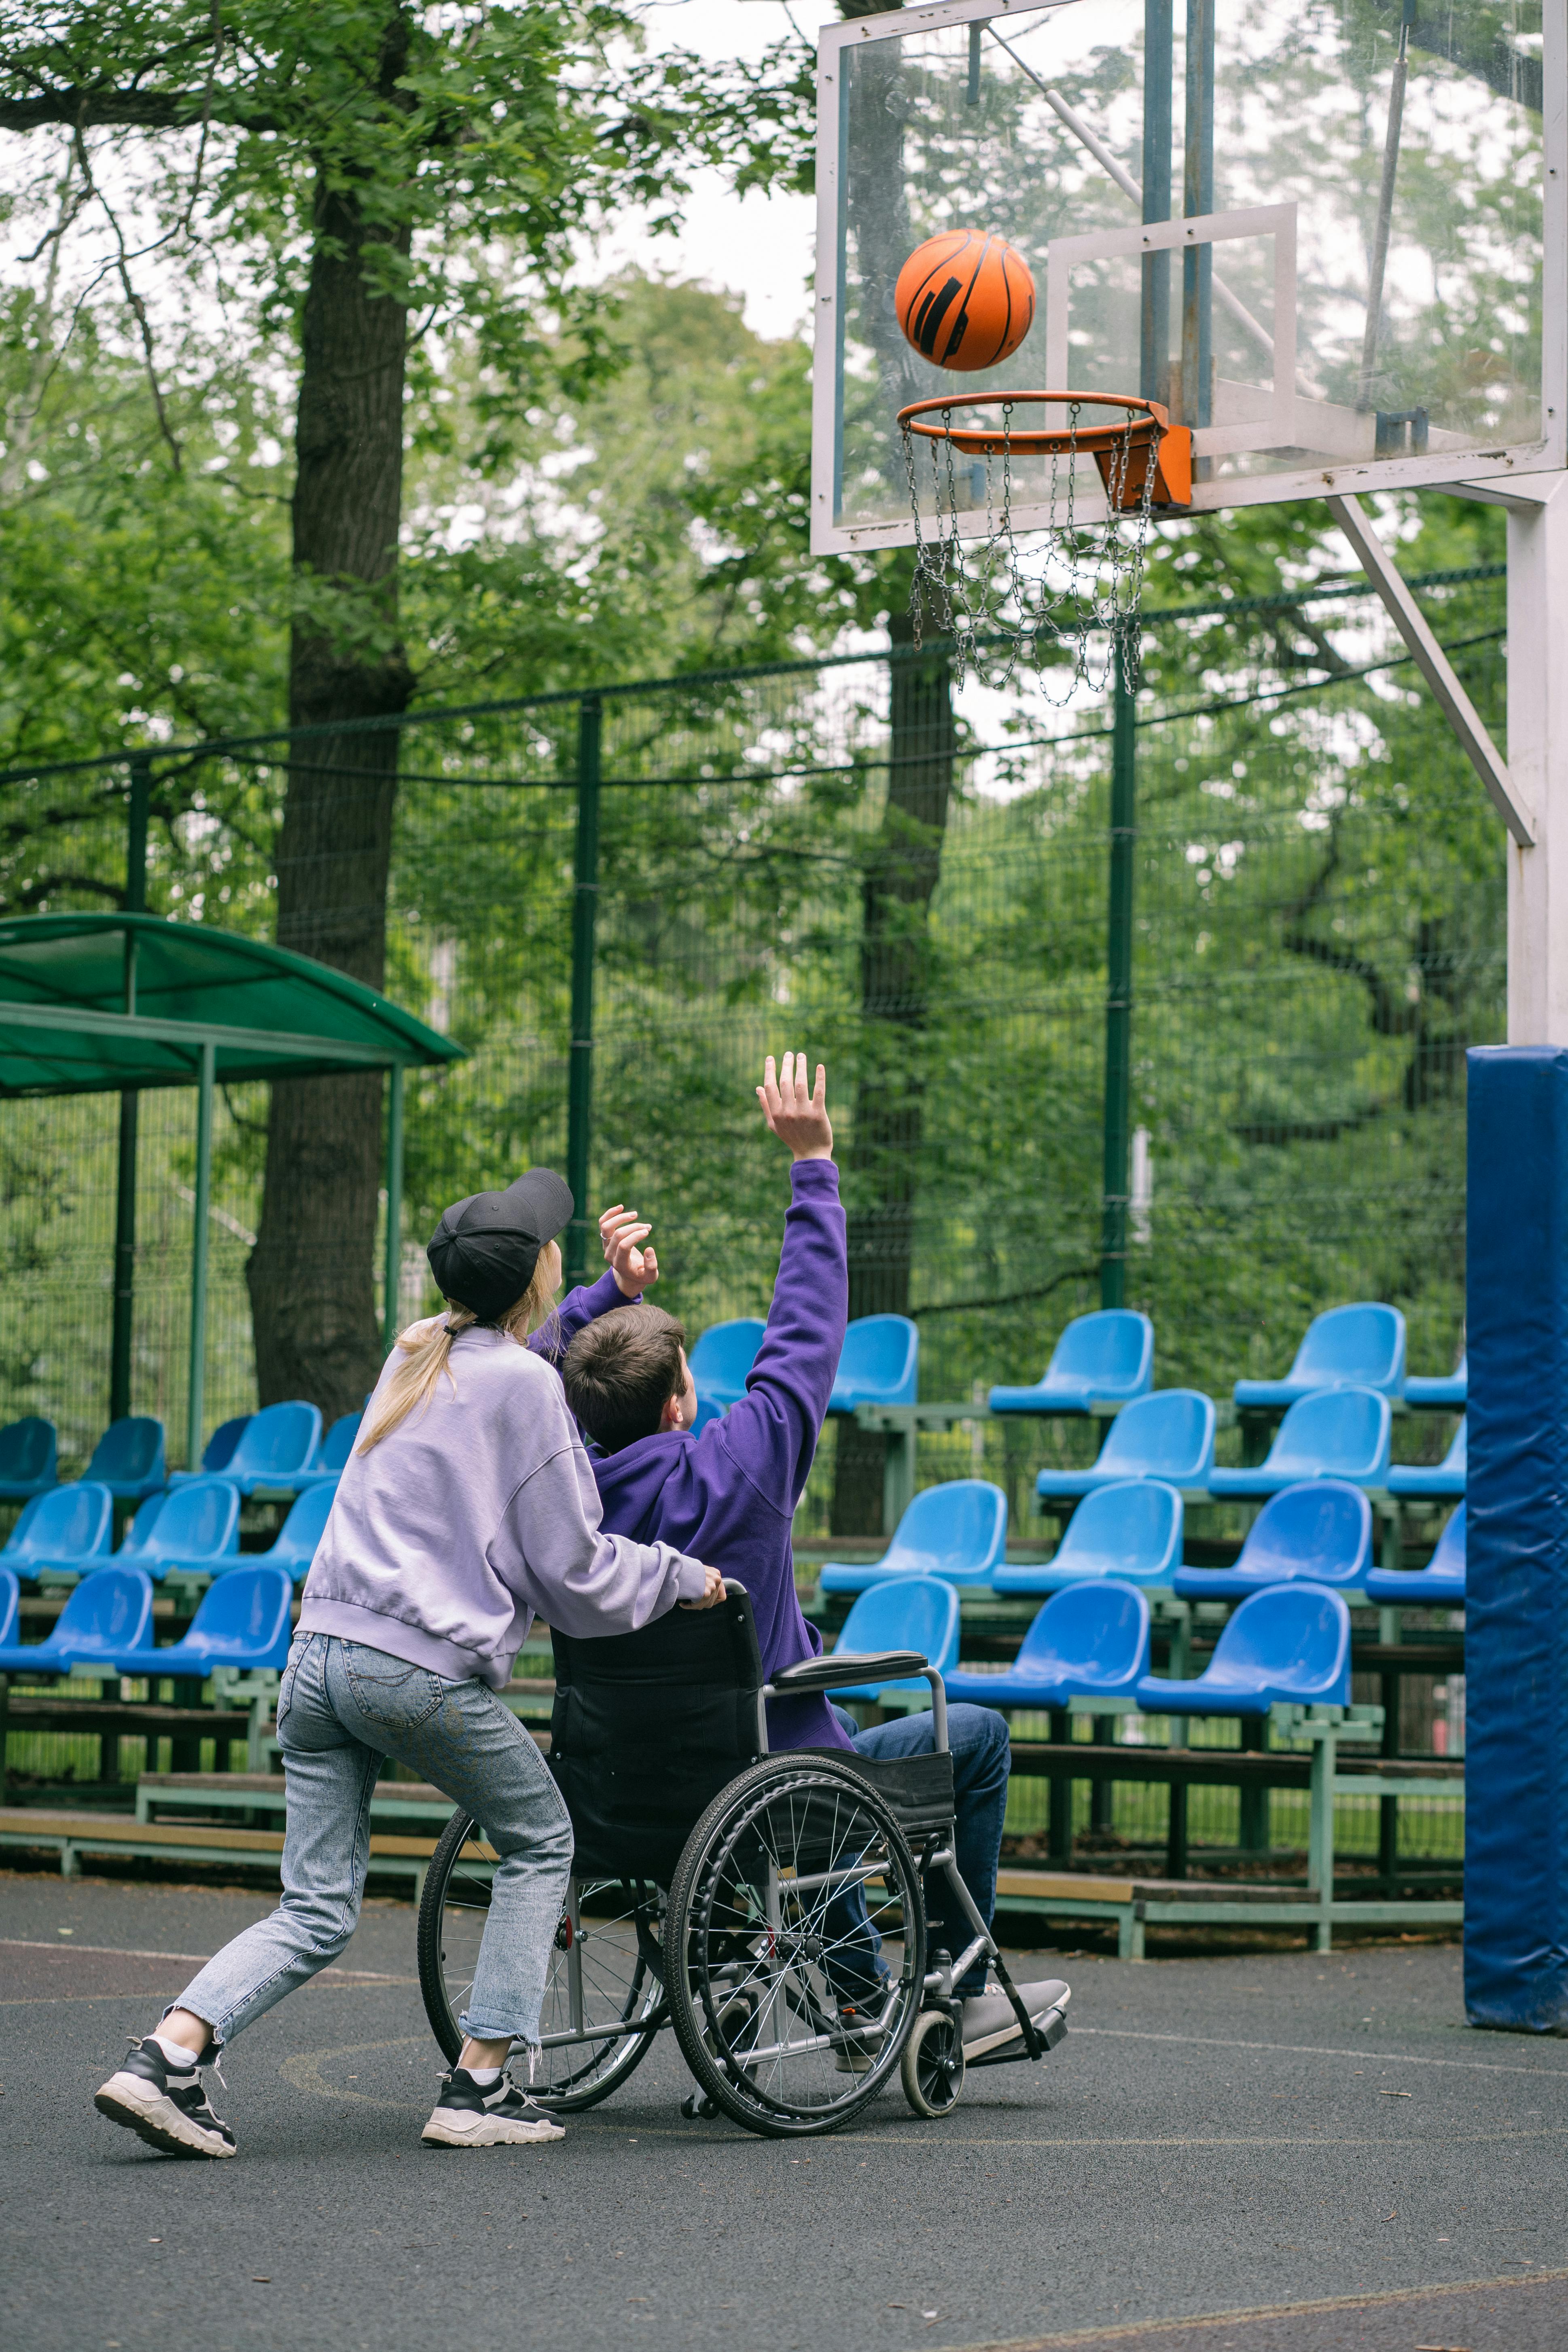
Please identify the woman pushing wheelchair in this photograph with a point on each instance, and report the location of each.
(467, 1508)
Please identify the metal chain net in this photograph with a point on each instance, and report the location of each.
(1044, 601)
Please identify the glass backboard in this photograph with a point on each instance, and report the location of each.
(1317, 231)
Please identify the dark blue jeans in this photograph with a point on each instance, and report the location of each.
(982, 1753)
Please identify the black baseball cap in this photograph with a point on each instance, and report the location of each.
(484, 1251)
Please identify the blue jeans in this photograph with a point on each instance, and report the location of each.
(982, 1756)
(341, 1710)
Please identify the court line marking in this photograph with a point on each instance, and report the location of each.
(1317, 2049)
(302, 2072)
(87, 1999)
(130, 1952)
(1371, 2302)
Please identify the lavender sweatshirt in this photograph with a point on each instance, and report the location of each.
(729, 1495)
(480, 1510)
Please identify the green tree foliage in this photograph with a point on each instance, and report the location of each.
(366, 178)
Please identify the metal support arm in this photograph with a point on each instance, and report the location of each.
(1435, 666)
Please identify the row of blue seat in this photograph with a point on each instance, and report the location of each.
(1104, 1360)
(1286, 1643)
(1318, 1531)
(1332, 1433)
(282, 1448)
(193, 1529)
(1091, 1641)
(107, 1625)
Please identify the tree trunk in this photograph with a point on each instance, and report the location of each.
(906, 861)
(311, 1275)
(901, 875)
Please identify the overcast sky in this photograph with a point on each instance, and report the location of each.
(759, 247)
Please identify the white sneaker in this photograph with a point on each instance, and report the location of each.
(989, 2022)
(474, 2114)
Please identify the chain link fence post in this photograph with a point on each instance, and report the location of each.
(584, 912)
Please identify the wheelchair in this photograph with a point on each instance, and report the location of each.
(739, 1896)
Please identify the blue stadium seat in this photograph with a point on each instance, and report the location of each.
(1103, 1359)
(197, 1529)
(1317, 1533)
(274, 1449)
(10, 1606)
(218, 1452)
(1445, 1478)
(1335, 1434)
(134, 1542)
(1168, 1434)
(107, 1619)
(1358, 1347)
(28, 1459)
(722, 1357)
(1449, 1392)
(129, 1459)
(1291, 1643)
(957, 1531)
(294, 1546)
(880, 1363)
(1090, 1641)
(243, 1622)
(1132, 1531)
(1440, 1584)
(707, 1413)
(67, 1531)
(331, 1458)
(913, 1612)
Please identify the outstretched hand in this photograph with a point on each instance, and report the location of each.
(634, 1267)
(797, 1115)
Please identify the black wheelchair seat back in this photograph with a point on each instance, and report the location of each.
(648, 1727)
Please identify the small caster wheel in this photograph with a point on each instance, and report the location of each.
(698, 2103)
(933, 2065)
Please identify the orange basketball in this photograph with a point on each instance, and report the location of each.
(965, 299)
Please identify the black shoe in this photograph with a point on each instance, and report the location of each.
(167, 2109)
(471, 2115)
(858, 2042)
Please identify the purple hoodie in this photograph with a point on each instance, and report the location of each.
(728, 1495)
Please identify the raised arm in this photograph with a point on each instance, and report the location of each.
(772, 1432)
(632, 1269)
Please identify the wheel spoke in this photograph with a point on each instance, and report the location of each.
(768, 2010)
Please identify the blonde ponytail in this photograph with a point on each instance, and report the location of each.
(429, 1347)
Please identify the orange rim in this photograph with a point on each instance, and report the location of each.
(1144, 425)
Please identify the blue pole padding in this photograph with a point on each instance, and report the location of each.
(1516, 1581)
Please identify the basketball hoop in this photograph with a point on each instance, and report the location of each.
(1084, 580)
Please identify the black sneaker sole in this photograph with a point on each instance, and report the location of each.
(149, 2127)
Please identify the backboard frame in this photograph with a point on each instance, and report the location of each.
(1351, 476)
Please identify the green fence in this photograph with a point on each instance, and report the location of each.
(1306, 931)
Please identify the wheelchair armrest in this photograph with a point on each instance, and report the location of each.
(844, 1670)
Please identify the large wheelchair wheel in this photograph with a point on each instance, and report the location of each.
(604, 1972)
(762, 1944)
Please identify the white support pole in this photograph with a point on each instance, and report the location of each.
(1502, 783)
(1538, 764)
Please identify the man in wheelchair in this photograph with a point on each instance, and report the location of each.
(728, 1496)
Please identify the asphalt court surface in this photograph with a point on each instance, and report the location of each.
(1280, 2154)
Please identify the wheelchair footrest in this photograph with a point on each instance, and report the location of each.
(1052, 2029)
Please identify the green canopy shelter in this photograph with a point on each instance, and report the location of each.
(120, 1003)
